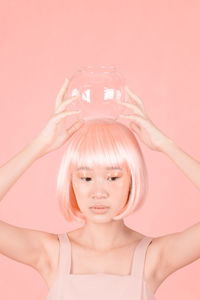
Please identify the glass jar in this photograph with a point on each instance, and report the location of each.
(100, 87)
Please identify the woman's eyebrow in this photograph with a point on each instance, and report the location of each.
(108, 168)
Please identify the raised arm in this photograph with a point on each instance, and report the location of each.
(22, 244)
(16, 166)
(180, 248)
(187, 164)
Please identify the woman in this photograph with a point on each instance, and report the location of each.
(104, 258)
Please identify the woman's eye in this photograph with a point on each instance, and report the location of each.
(84, 178)
(113, 177)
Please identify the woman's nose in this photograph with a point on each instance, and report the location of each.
(99, 195)
(99, 190)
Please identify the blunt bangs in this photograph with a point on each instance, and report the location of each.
(104, 143)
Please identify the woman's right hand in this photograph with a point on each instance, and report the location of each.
(55, 134)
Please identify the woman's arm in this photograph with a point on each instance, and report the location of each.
(187, 164)
(52, 137)
(16, 166)
(23, 244)
(178, 249)
(156, 140)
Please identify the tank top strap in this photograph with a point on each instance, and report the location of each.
(139, 256)
(64, 254)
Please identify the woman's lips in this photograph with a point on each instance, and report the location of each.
(99, 209)
(99, 206)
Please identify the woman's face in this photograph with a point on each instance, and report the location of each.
(109, 187)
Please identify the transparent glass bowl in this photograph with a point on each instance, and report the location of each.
(99, 88)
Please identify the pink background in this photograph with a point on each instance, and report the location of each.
(155, 45)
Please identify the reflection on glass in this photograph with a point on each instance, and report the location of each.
(100, 87)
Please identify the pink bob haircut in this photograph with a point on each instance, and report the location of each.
(105, 143)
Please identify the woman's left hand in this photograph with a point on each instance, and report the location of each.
(141, 124)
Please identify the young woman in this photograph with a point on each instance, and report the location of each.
(102, 179)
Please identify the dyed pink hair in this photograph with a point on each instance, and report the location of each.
(104, 143)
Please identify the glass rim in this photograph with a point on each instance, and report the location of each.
(97, 68)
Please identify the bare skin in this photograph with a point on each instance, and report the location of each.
(103, 261)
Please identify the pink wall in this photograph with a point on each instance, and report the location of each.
(155, 45)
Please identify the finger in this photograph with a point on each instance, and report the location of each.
(136, 118)
(61, 93)
(135, 127)
(63, 104)
(64, 114)
(135, 98)
(132, 106)
(75, 126)
(135, 124)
